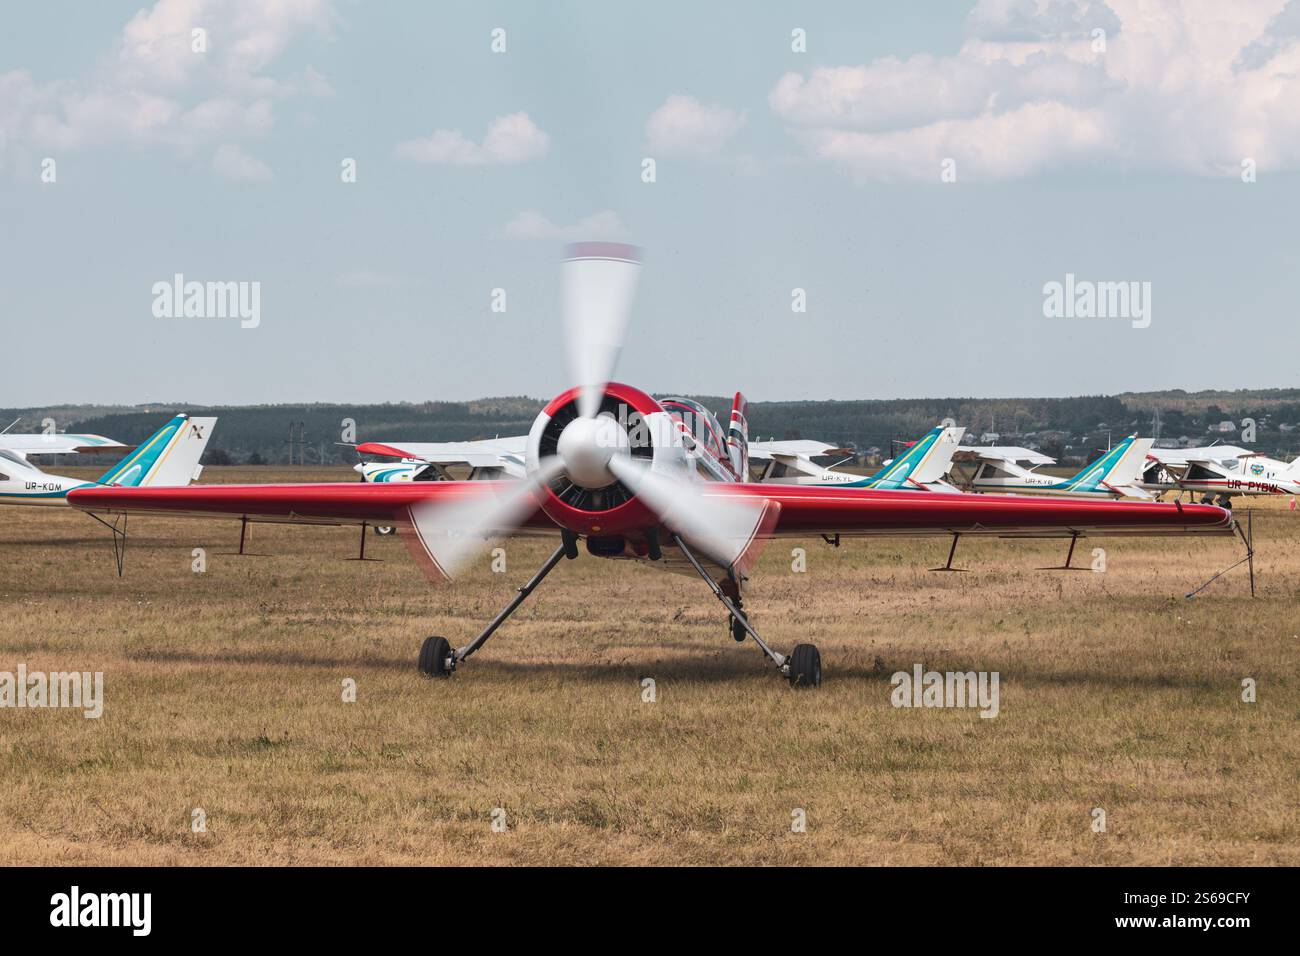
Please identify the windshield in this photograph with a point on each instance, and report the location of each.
(697, 421)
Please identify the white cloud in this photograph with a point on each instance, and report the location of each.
(231, 162)
(510, 140)
(531, 224)
(1192, 86)
(153, 89)
(683, 126)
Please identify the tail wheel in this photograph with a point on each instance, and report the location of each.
(433, 657)
(805, 666)
(384, 529)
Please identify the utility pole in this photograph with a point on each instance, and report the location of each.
(300, 441)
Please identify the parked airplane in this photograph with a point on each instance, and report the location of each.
(1219, 471)
(57, 443)
(1113, 475)
(170, 457)
(608, 465)
(773, 460)
(429, 461)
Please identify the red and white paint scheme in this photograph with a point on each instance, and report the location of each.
(607, 466)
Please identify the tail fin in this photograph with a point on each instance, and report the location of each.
(927, 460)
(169, 458)
(934, 465)
(1118, 468)
(738, 437)
(1294, 467)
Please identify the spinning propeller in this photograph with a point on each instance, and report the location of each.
(594, 449)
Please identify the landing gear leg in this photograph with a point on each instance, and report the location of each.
(437, 659)
(803, 668)
(738, 631)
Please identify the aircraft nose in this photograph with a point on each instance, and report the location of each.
(586, 446)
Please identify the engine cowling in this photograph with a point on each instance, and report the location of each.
(586, 497)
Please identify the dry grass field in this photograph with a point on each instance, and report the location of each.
(224, 692)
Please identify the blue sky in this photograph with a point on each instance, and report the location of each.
(776, 170)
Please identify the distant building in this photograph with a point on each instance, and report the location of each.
(1223, 427)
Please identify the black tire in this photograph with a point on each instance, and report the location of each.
(805, 666)
(384, 529)
(433, 657)
(738, 632)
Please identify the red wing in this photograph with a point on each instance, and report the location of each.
(803, 510)
(325, 503)
(814, 510)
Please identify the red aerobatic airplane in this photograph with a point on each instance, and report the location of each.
(609, 465)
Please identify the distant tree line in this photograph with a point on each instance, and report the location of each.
(1066, 428)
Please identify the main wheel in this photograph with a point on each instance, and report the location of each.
(433, 657)
(738, 632)
(805, 666)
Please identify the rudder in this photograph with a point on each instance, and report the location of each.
(738, 437)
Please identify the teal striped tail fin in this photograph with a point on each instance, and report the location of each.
(1114, 470)
(169, 457)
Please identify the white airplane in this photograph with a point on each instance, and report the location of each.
(1221, 471)
(1000, 469)
(169, 458)
(57, 443)
(774, 460)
